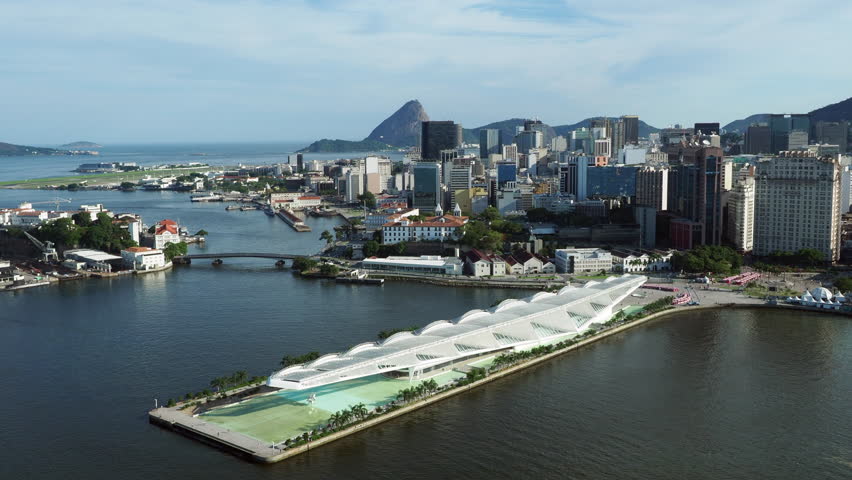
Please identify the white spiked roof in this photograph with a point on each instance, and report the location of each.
(514, 322)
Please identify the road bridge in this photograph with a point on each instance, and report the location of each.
(282, 258)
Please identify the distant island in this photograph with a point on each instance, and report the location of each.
(327, 145)
(82, 144)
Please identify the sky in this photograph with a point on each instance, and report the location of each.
(114, 71)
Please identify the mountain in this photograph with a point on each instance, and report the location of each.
(740, 126)
(834, 112)
(508, 128)
(644, 128)
(403, 127)
(829, 113)
(10, 150)
(82, 144)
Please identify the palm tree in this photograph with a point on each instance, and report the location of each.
(327, 236)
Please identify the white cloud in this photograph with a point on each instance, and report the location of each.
(475, 61)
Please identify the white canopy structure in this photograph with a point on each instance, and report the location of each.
(513, 324)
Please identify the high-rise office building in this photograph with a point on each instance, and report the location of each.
(631, 129)
(506, 172)
(510, 153)
(780, 126)
(559, 144)
(833, 133)
(539, 126)
(427, 186)
(297, 161)
(706, 129)
(758, 139)
(797, 140)
(528, 140)
(573, 176)
(618, 136)
(581, 141)
(460, 178)
(711, 180)
(439, 135)
(490, 142)
(798, 204)
(652, 187)
(740, 227)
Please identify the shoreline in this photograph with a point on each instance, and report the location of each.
(258, 452)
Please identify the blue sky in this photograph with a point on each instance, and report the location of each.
(262, 70)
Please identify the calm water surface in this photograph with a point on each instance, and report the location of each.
(736, 394)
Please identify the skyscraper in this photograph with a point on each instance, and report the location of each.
(833, 133)
(528, 140)
(618, 136)
(740, 227)
(460, 178)
(780, 126)
(506, 172)
(652, 187)
(798, 204)
(427, 186)
(439, 135)
(631, 129)
(758, 139)
(490, 142)
(710, 163)
(573, 176)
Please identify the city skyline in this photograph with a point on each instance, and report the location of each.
(255, 71)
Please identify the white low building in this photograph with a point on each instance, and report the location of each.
(143, 258)
(427, 264)
(94, 259)
(440, 228)
(583, 260)
(632, 261)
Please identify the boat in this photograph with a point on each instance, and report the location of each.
(269, 212)
(247, 207)
(232, 207)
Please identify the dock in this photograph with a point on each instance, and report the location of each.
(291, 219)
(358, 277)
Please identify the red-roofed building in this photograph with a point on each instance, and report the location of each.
(166, 232)
(443, 228)
(481, 264)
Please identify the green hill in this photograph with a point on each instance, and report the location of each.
(11, 150)
(327, 145)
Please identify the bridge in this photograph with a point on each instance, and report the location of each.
(217, 257)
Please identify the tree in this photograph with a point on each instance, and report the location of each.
(304, 264)
(368, 199)
(327, 236)
(371, 248)
(173, 250)
(127, 186)
(489, 214)
(328, 270)
(201, 233)
(844, 284)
